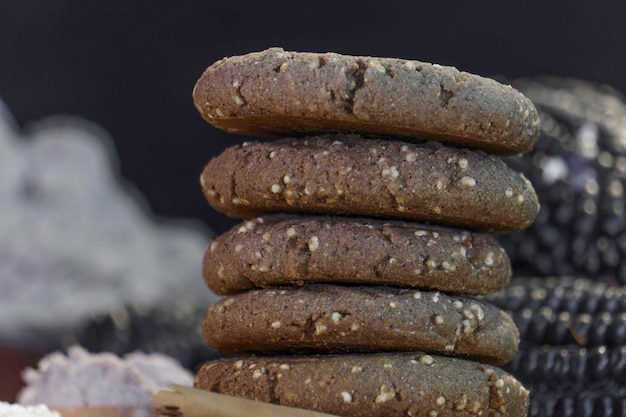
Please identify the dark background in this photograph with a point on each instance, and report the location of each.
(130, 66)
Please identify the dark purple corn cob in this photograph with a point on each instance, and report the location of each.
(578, 168)
(572, 356)
(569, 294)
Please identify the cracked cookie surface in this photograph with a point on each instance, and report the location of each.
(280, 93)
(348, 174)
(332, 318)
(365, 385)
(288, 249)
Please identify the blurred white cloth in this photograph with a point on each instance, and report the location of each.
(75, 238)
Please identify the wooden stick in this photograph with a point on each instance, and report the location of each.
(199, 403)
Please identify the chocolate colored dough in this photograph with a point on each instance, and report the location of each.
(279, 93)
(349, 174)
(386, 384)
(332, 318)
(288, 249)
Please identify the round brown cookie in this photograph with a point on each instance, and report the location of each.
(332, 318)
(370, 177)
(287, 249)
(278, 93)
(366, 385)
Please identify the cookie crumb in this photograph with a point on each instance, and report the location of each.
(427, 359)
(462, 403)
(468, 181)
(320, 329)
(347, 397)
(385, 394)
(314, 243)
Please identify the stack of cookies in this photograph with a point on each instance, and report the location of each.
(348, 287)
